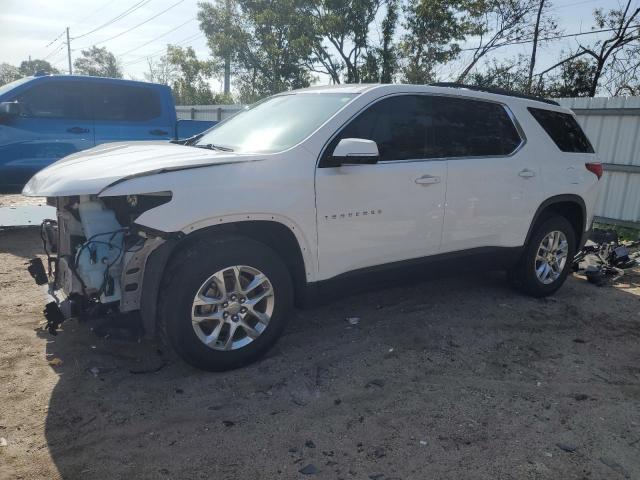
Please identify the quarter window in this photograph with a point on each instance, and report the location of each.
(425, 126)
(124, 103)
(563, 129)
(54, 100)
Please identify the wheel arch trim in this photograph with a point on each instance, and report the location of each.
(228, 225)
(556, 200)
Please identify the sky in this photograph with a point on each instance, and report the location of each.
(36, 28)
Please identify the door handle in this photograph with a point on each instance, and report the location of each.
(159, 132)
(526, 173)
(77, 130)
(427, 180)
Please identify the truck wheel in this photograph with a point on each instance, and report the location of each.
(225, 302)
(547, 258)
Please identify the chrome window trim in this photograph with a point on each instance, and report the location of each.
(512, 117)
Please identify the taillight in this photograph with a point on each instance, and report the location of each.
(595, 168)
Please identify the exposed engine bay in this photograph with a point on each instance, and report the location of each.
(96, 253)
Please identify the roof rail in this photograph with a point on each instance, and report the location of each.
(496, 90)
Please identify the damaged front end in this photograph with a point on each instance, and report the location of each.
(96, 254)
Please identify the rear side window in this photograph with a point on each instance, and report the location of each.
(471, 128)
(563, 129)
(54, 100)
(124, 103)
(424, 126)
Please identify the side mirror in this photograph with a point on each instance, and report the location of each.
(355, 151)
(9, 109)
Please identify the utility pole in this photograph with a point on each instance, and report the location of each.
(536, 31)
(227, 58)
(69, 52)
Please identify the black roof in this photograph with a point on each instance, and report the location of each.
(496, 90)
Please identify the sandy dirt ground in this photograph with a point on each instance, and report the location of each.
(20, 200)
(457, 378)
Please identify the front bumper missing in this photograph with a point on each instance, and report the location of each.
(59, 306)
(65, 293)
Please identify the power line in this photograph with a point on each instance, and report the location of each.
(55, 39)
(161, 51)
(54, 51)
(157, 38)
(127, 12)
(99, 9)
(573, 4)
(557, 37)
(141, 23)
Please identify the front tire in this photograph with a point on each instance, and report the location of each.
(225, 302)
(547, 258)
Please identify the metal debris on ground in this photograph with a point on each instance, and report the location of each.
(604, 258)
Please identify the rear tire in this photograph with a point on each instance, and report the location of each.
(225, 302)
(547, 258)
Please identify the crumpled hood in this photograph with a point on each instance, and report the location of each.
(91, 171)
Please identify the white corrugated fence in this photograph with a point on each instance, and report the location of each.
(207, 112)
(613, 126)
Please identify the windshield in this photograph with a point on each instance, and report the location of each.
(275, 124)
(9, 86)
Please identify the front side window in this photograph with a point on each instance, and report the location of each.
(124, 103)
(563, 129)
(53, 100)
(413, 127)
(276, 124)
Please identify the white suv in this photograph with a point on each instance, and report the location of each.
(214, 239)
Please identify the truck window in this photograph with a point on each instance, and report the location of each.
(124, 103)
(563, 129)
(54, 100)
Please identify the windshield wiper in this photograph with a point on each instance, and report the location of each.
(211, 146)
(188, 141)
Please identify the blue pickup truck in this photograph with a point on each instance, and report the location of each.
(44, 118)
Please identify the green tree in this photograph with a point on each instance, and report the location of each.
(160, 71)
(190, 83)
(98, 62)
(341, 30)
(623, 23)
(509, 74)
(381, 62)
(498, 23)
(265, 43)
(221, 22)
(31, 67)
(574, 79)
(433, 30)
(8, 73)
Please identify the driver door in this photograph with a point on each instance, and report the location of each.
(393, 210)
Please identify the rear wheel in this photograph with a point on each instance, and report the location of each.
(547, 258)
(225, 303)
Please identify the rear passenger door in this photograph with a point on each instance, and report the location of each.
(490, 185)
(129, 112)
